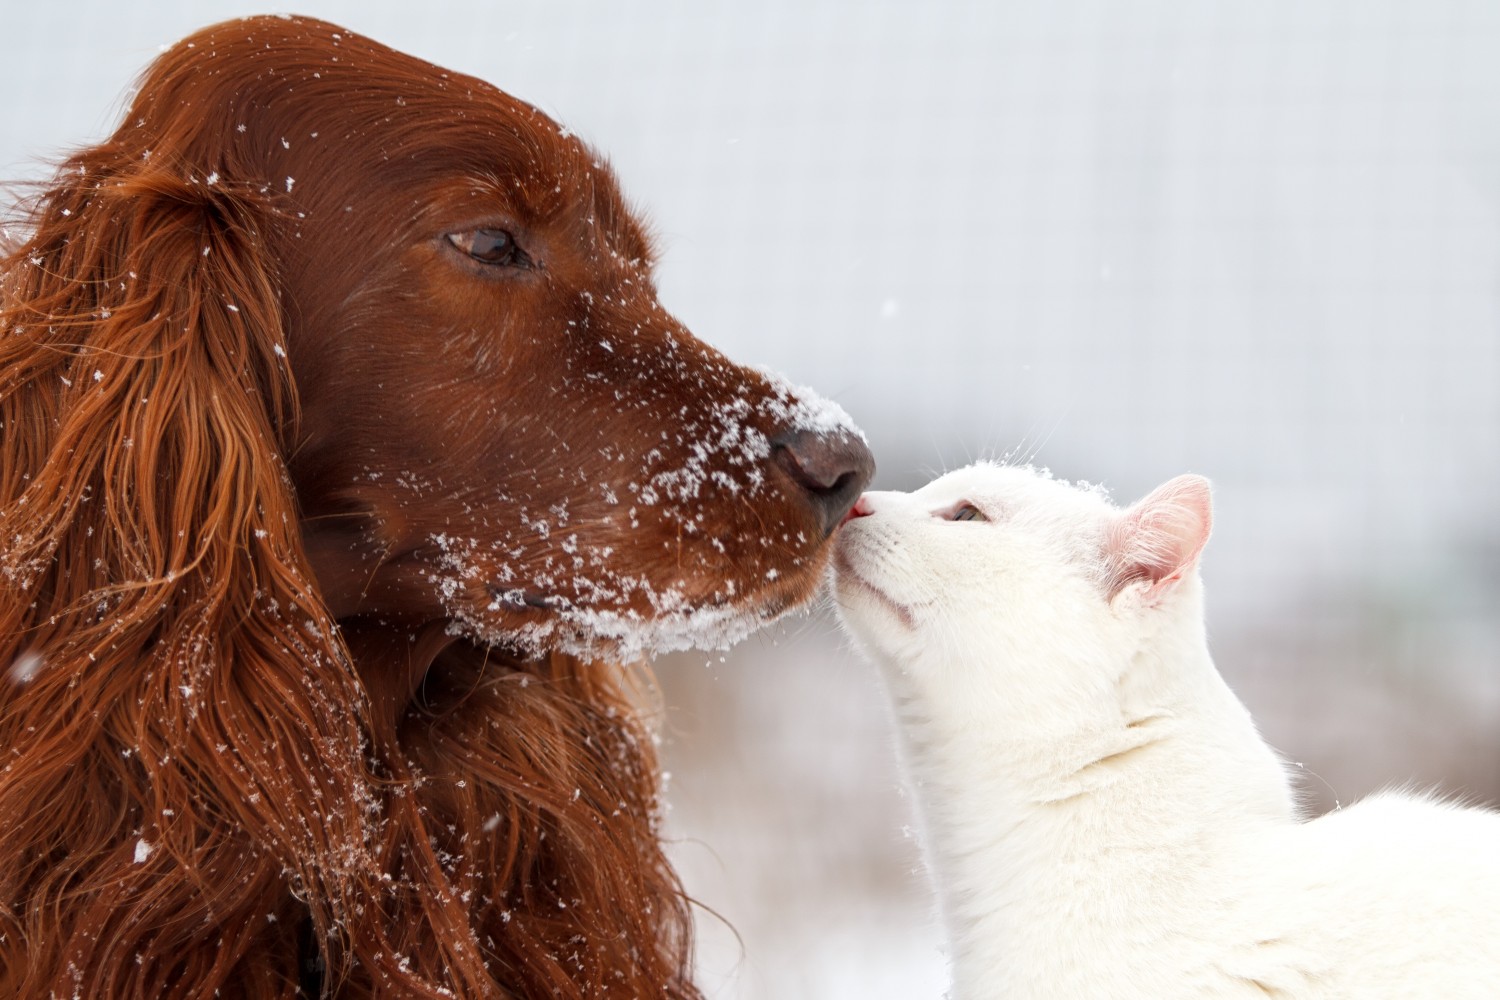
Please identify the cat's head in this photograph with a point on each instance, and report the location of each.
(1008, 565)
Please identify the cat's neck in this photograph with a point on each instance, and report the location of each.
(1114, 786)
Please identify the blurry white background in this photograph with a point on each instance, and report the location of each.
(1256, 241)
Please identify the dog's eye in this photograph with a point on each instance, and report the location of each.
(490, 246)
(968, 512)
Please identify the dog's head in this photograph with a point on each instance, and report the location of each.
(325, 355)
(500, 423)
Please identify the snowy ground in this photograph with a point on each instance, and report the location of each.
(790, 824)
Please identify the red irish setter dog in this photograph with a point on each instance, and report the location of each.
(344, 441)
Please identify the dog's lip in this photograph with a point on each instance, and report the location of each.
(517, 597)
(770, 606)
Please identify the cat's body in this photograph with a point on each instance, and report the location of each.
(1102, 819)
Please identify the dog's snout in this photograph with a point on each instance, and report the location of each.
(832, 469)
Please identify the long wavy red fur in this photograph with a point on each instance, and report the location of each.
(218, 778)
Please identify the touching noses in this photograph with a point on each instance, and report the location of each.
(832, 469)
(861, 508)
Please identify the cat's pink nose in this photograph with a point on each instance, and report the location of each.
(861, 508)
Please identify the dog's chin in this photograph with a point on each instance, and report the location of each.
(650, 623)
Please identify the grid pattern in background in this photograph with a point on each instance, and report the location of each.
(1259, 241)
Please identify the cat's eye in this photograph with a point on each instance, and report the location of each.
(968, 512)
(496, 247)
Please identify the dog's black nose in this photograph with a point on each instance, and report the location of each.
(833, 469)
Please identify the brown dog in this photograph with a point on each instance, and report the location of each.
(341, 436)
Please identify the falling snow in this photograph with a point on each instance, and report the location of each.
(25, 668)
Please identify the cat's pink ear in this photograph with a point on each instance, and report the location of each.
(1157, 541)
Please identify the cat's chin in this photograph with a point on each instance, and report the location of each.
(857, 594)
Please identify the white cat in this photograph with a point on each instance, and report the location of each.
(1102, 819)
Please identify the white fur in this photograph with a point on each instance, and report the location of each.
(1101, 818)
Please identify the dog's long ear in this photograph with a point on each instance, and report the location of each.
(175, 701)
(1153, 544)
